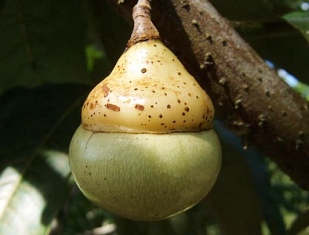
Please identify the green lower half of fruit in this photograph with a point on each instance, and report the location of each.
(145, 177)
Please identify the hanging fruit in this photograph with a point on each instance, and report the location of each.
(145, 149)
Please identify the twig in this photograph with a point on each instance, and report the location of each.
(143, 27)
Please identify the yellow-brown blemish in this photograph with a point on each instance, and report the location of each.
(113, 107)
(139, 107)
(105, 90)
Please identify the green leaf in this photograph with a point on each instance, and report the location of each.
(113, 35)
(36, 128)
(300, 20)
(300, 225)
(234, 200)
(302, 89)
(92, 54)
(259, 23)
(28, 203)
(42, 41)
(281, 44)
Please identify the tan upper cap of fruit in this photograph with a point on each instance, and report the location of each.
(149, 90)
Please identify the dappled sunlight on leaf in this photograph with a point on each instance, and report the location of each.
(15, 194)
(25, 195)
(35, 175)
(58, 161)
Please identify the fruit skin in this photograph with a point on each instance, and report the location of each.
(148, 91)
(145, 177)
(146, 149)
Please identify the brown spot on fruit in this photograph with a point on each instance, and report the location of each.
(113, 107)
(139, 107)
(105, 90)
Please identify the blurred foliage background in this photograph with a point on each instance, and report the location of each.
(53, 52)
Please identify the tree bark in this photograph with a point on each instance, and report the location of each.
(249, 97)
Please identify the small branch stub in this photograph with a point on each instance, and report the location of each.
(143, 29)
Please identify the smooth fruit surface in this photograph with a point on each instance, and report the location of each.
(148, 91)
(145, 176)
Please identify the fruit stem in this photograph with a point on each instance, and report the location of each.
(144, 29)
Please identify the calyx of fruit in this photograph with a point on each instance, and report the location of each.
(149, 91)
(146, 149)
